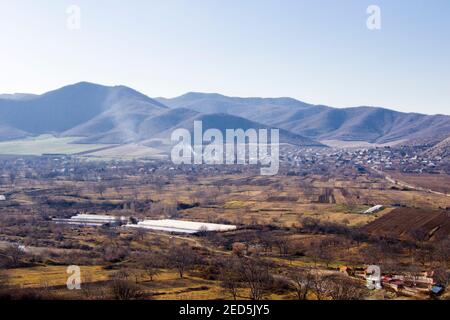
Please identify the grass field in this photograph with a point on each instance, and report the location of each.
(46, 144)
(38, 277)
(128, 151)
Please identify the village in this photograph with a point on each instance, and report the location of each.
(315, 227)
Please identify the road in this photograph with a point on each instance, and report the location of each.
(407, 185)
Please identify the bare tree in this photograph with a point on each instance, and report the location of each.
(123, 288)
(152, 266)
(12, 177)
(231, 277)
(13, 254)
(344, 288)
(301, 283)
(283, 244)
(100, 188)
(255, 274)
(140, 234)
(171, 210)
(182, 258)
(319, 287)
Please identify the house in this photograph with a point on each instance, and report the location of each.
(2, 197)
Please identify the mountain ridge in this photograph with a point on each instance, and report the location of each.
(371, 124)
(120, 114)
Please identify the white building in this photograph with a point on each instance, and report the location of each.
(374, 209)
(179, 226)
(2, 197)
(92, 220)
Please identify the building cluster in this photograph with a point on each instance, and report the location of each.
(407, 159)
(406, 284)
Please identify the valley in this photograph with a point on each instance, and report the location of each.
(295, 223)
(87, 180)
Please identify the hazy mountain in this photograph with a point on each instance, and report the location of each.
(162, 125)
(115, 115)
(73, 105)
(81, 109)
(319, 122)
(216, 103)
(9, 133)
(18, 96)
(103, 114)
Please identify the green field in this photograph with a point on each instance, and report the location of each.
(46, 144)
(127, 152)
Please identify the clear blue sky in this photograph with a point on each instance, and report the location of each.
(316, 51)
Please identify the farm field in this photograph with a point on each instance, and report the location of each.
(46, 144)
(286, 225)
(436, 182)
(129, 151)
(410, 223)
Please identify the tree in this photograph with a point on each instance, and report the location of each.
(283, 244)
(255, 274)
(12, 177)
(301, 283)
(343, 288)
(140, 234)
(182, 258)
(123, 288)
(151, 266)
(114, 252)
(319, 286)
(100, 188)
(231, 277)
(321, 251)
(13, 254)
(171, 210)
(442, 251)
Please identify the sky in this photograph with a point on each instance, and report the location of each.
(320, 51)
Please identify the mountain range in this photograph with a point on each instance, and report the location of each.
(370, 124)
(118, 115)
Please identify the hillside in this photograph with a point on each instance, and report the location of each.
(161, 126)
(223, 121)
(442, 149)
(72, 106)
(117, 115)
(375, 125)
(409, 223)
(9, 133)
(110, 115)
